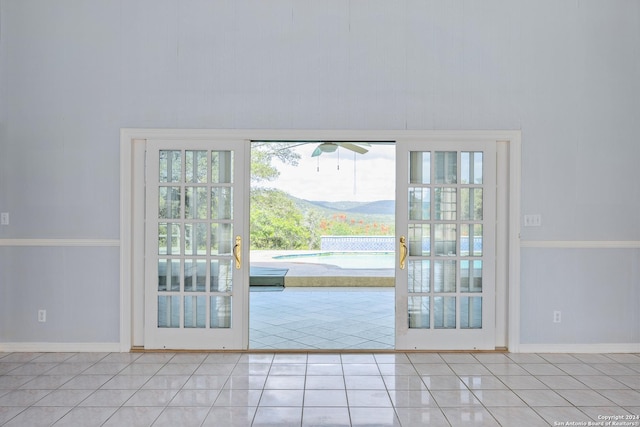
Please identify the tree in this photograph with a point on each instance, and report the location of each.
(276, 222)
(262, 156)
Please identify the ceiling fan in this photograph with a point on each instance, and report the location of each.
(331, 146)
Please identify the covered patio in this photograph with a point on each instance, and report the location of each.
(320, 306)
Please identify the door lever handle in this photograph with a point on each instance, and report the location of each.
(403, 251)
(237, 252)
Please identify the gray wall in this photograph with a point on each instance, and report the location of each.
(73, 72)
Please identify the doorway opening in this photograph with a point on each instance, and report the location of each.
(322, 245)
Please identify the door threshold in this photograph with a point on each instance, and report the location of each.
(317, 351)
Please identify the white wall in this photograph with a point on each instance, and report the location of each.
(565, 72)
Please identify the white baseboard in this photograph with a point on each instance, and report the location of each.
(55, 347)
(580, 348)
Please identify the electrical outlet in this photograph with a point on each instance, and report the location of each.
(533, 220)
(42, 315)
(4, 218)
(557, 316)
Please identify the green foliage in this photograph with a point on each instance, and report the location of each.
(262, 156)
(276, 222)
(340, 224)
(312, 220)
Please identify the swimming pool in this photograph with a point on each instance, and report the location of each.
(347, 260)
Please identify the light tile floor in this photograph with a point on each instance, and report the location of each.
(317, 389)
(322, 318)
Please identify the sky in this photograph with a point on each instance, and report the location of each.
(331, 176)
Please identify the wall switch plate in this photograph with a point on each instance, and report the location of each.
(42, 315)
(4, 218)
(557, 316)
(533, 220)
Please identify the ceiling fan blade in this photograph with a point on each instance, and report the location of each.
(353, 147)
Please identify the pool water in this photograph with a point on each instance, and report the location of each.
(347, 260)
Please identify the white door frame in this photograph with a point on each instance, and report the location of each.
(132, 143)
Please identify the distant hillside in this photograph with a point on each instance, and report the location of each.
(380, 207)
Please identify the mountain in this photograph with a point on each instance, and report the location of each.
(379, 207)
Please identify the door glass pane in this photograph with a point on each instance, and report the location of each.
(477, 168)
(168, 238)
(419, 203)
(471, 239)
(470, 312)
(169, 202)
(419, 239)
(170, 165)
(220, 312)
(221, 275)
(168, 311)
(195, 203)
(444, 276)
(444, 312)
(195, 311)
(445, 239)
(195, 239)
(195, 275)
(168, 275)
(221, 203)
(419, 312)
(476, 248)
(196, 166)
(471, 201)
(221, 239)
(471, 276)
(419, 167)
(445, 204)
(446, 167)
(419, 275)
(221, 167)
(471, 167)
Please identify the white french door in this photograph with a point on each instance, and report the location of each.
(445, 223)
(195, 252)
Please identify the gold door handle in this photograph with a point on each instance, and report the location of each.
(237, 252)
(403, 251)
